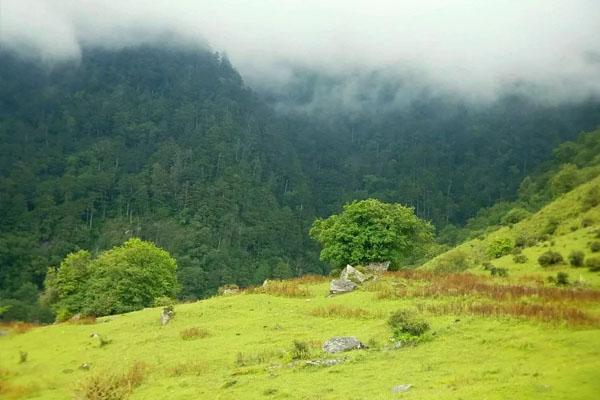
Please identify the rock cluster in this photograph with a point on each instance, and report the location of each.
(350, 278)
(343, 343)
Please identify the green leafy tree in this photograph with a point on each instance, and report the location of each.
(370, 231)
(130, 277)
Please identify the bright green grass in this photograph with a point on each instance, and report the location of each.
(569, 236)
(473, 358)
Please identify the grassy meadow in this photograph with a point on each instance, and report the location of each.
(516, 335)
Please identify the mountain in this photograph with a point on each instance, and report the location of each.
(170, 145)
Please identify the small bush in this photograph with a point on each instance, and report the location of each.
(300, 350)
(514, 215)
(551, 226)
(520, 259)
(593, 263)
(595, 246)
(550, 258)
(194, 333)
(562, 278)
(455, 261)
(501, 272)
(335, 272)
(499, 247)
(591, 198)
(576, 258)
(406, 322)
(164, 301)
(587, 222)
(524, 240)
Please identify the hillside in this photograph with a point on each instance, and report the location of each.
(569, 223)
(486, 343)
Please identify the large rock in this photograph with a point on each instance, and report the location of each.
(167, 315)
(345, 343)
(352, 274)
(339, 286)
(378, 268)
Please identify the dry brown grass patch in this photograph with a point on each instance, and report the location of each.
(194, 333)
(110, 386)
(189, 368)
(289, 288)
(339, 311)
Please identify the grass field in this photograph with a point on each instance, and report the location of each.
(243, 347)
(493, 337)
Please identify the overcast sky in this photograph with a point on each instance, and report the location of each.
(471, 46)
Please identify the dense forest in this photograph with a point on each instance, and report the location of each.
(170, 145)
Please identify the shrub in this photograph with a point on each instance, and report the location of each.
(587, 222)
(502, 272)
(520, 259)
(516, 250)
(524, 240)
(108, 386)
(514, 215)
(593, 263)
(550, 258)
(455, 261)
(551, 226)
(562, 278)
(164, 301)
(591, 198)
(300, 350)
(576, 258)
(595, 246)
(406, 322)
(499, 247)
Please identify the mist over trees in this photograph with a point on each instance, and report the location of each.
(171, 146)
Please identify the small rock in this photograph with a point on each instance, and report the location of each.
(167, 315)
(85, 366)
(339, 286)
(401, 388)
(345, 343)
(324, 363)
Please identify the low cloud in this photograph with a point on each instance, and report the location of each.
(475, 48)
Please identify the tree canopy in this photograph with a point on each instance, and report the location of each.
(370, 231)
(125, 278)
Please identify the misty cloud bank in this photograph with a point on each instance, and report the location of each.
(475, 48)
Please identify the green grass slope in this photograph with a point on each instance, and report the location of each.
(244, 346)
(567, 224)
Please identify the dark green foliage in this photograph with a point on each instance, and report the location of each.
(550, 258)
(514, 215)
(576, 258)
(551, 226)
(300, 350)
(595, 246)
(564, 180)
(593, 263)
(499, 247)
(407, 322)
(371, 231)
(520, 258)
(497, 271)
(562, 278)
(592, 198)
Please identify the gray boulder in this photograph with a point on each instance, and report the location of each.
(345, 343)
(339, 286)
(352, 274)
(167, 315)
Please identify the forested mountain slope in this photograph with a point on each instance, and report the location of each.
(170, 145)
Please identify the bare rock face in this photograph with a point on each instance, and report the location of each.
(339, 286)
(344, 343)
(378, 268)
(352, 274)
(167, 315)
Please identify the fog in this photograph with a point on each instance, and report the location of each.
(474, 48)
